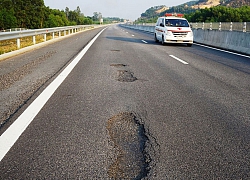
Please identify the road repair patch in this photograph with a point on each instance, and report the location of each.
(128, 136)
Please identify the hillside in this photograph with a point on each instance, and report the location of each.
(191, 6)
(154, 11)
(202, 4)
(235, 3)
(161, 9)
(206, 4)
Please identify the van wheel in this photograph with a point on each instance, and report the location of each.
(162, 40)
(156, 40)
(189, 45)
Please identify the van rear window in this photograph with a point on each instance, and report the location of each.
(177, 23)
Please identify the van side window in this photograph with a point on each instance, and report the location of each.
(161, 22)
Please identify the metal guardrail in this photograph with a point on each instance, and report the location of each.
(224, 26)
(221, 26)
(28, 33)
(13, 29)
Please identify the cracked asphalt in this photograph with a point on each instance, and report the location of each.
(128, 110)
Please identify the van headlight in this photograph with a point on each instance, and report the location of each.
(169, 33)
(191, 34)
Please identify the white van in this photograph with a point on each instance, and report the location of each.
(173, 29)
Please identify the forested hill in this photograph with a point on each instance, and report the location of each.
(190, 7)
(235, 3)
(229, 3)
(161, 10)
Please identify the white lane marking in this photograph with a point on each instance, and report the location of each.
(242, 55)
(11, 135)
(133, 35)
(127, 32)
(144, 41)
(178, 59)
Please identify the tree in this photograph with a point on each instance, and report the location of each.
(67, 12)
(221, 14)
(57, 18)
(7, 15)
(95, 16)
(34, 14)
(78, 11)
(29, 13)
(7, 19)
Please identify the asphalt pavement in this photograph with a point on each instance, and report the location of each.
(130, 108)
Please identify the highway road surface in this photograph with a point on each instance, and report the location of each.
(111, 103)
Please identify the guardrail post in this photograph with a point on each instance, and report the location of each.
(53, 35)
(231, 26)
(196, 25)
(203, 24)
(34, 39)
(64, 33)
(69, 31)
(220, 26)
(44, 37)
(211, 26)
(18, 43)
(245, 27)
(59, 33)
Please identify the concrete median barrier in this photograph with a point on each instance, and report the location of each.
(230, 40)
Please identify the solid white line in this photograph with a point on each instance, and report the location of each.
(184, 62)
(10, 136)
(133, 35)
(144, 41)
(222, 50)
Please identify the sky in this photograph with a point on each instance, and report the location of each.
(126, 9)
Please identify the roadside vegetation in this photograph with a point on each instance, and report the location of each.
(27, 14)
(35, 15)
(220, 14)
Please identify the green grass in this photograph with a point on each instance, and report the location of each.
(11, 45)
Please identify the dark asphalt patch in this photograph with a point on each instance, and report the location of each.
(125, 76)
(115, 50)
(128, 136)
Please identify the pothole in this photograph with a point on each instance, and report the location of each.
(115, 50)
(128, 136)
(125, 76)
(118, 65)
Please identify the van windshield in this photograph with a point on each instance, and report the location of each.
(177, 23)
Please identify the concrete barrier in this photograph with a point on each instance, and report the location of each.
(140, 27)
(229, 40)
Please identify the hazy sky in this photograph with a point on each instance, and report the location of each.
(127, 9)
